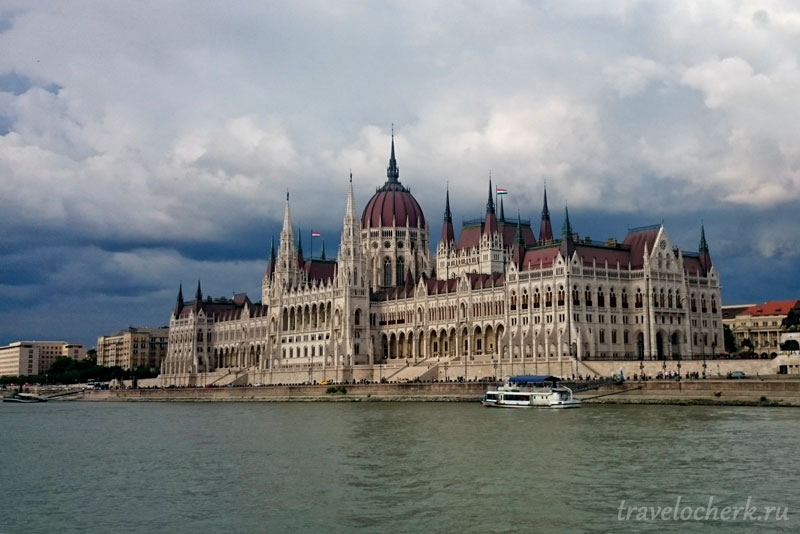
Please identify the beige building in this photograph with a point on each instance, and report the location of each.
(494, 294)
(35, 357)
(762, 324)
(133, 347)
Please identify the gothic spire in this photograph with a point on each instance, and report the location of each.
(518, 240)
(502, 211)
(566, 229)
(323, 249)
(545, 228)
(448, 217)
(448, 234)
(490, 202)
(179, 303)
(392, 171)
(703, 244)
(198, 296)
(300, 243)
(272, 250)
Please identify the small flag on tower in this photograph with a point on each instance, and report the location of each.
(315, 234)
(502, 191)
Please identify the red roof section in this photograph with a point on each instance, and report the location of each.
(322, 270)
(637, 241)
(544, 257)
(386, 206)
(600, 255)
(773, 307)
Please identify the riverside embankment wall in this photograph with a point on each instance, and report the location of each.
(472, 391)
(748, 391)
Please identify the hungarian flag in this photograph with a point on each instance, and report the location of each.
(502, 191)
(315, 234)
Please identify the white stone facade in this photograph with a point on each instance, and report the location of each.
(493, 298)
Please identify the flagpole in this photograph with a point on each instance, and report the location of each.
(311, 238)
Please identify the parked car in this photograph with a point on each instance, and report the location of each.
(737, 374)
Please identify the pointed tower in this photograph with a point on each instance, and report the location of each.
(198, 297)
(502, 211)
(286, 269)
(448, 234)
(545, 228)
(269, 275)
(705, 257)
(567, 236)
(353, 295)
(300, 259)
(490, 227)
(179, 304)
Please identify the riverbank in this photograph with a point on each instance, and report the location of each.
(748, 392)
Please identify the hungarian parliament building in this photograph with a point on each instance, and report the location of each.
(496, 292)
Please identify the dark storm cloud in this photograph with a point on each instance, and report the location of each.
(146, 144)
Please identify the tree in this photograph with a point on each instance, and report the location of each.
(730, 339)
(747, 343)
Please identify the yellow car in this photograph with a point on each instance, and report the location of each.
(325, 383)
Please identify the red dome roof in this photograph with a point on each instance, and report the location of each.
(390, 204)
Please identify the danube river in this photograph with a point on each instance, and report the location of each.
(394, 467)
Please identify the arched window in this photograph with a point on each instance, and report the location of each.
(357, 318)
(524, 299)
(401, 271)
(561, 295)
(513, 300)
(601, 301)
(612, 298)
(536, 298)
(588, 296)
(387, 272)
(576, 298)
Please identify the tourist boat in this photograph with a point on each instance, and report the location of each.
(527, 391)
(24, 397)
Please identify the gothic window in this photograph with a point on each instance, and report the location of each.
(387, 272)
(536, 299)
(588, 296)
(602, 336)
(669, 299)
(703, 303)
(612, 298)
(713, 305)
(401, 271)
(525, 299)
(576, 300)
(357, 318)
(639, 298)
(661, 298)
(548, 298)
(601, 302)
(513, 300)
(694, 305)
(561, 295)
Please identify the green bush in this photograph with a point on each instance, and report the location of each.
(331, 390)
(763, 398)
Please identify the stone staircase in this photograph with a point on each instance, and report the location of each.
(424, 370)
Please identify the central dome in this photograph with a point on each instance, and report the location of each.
(392, 204)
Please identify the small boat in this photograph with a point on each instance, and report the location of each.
(24, 397)
(526, 391)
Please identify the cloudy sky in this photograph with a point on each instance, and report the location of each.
(147, 143)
